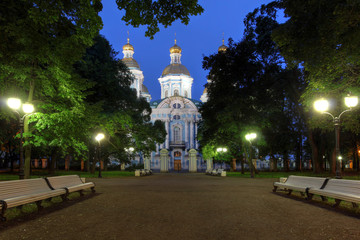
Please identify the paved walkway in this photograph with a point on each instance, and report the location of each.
(185, 206)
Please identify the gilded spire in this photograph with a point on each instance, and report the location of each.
(128, 46)
(175, 48)
(222, 48)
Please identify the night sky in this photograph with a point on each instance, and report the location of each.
(201, 37)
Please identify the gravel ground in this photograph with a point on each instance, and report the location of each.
(185, 206)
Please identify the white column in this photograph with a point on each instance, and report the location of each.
(191, 134)
(186, 131)
(196, 130)
(168, 134)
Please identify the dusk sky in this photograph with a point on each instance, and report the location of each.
(201, 37)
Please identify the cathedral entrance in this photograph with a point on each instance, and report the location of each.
(177, 165)
(177, 161)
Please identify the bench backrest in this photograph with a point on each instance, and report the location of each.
(343, 186)
(64, 181)
(301, 181)
(10, 189)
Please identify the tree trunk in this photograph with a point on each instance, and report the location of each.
(315, 152)
(333, 162)
(298, 154)
(52, 163)
(242, 165)
(233, 165)
(93, 162)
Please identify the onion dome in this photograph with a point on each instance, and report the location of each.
(176, 69)
(205, 90)
(128, 46)
(222, 48)
(175, 48)
(144, 89)
(130, 63)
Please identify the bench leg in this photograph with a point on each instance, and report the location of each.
(275, 188)
(38, 204)
(324, 199)
(93, 189)
(81, 193)
(337, 203)
(64, 197)
(355, 205)
(290, 191)
(309, 196)
(3, 209)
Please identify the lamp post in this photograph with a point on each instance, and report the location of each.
(322, 106)
(221, 150)
(15, 105)
(249, 137)
(98, 138)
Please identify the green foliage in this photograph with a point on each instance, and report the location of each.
(152, 13)
(324, 37)
(251, 91)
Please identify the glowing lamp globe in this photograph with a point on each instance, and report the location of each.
(99, 137)
(351, 101)
(14, 103)
(321, 105)
(250, 136)
(28, 108)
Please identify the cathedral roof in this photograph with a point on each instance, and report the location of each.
(144, 89)
(130, 63)
(175, 69)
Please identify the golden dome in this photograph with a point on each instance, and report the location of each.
(222, 48)
(176, 69)
(144, 89)
(205, 90)
(128, 46)
(130, 63)
(175, 48)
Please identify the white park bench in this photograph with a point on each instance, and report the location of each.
(20, 192)
(339, 189)
(142, 172)
(219, 172)
(71, 183)
(299, 183)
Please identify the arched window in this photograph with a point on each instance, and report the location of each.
(166, 93)
(176, 105)
(186, 94)
(176, 92)
(177, 136)
(176, 117)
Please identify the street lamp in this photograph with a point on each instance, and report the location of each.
(27, 109)
(249, 137)
(322, 106)
(98, 138)
(221, 150)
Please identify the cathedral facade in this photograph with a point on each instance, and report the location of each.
(176, 109)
